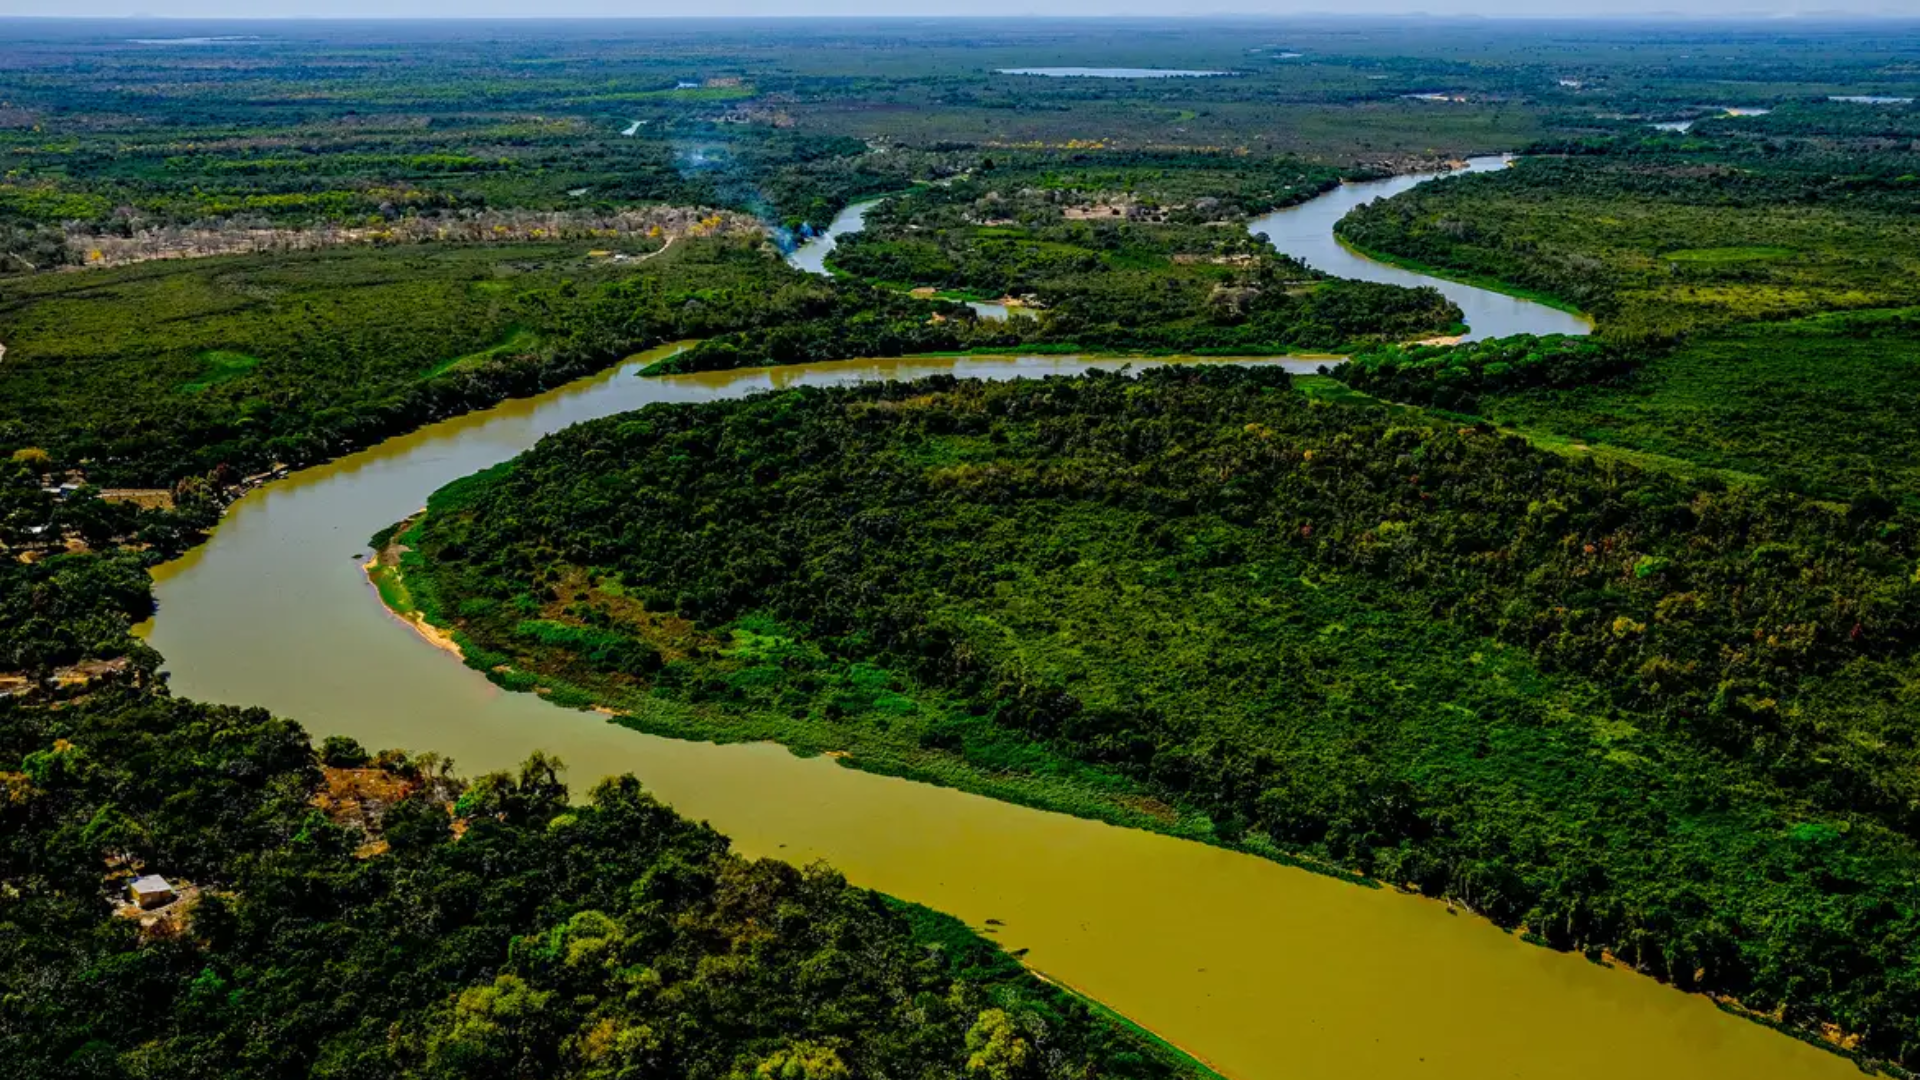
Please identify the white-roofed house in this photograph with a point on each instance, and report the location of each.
(151, 891)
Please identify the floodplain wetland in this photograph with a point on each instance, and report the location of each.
(1320, 545)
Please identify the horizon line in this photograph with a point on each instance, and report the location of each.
(1752, 18)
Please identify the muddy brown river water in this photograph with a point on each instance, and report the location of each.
(1262, 970)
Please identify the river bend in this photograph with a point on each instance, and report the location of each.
(1264, 970)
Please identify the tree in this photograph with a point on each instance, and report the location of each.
(489, 1031)
(994, 1049)
(342, 752)
(802, 1061)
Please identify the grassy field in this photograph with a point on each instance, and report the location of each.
(222, 365)
(1662, 246)
(518, 340)
(1768, 298)
(1828, 404)
(162, 370)
(207, 352)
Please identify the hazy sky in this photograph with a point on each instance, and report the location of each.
(1759, 9)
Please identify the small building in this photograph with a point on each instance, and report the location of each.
(144, 498)
(151, 891)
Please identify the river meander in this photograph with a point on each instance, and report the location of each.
(1306, 233)
(1264, 970)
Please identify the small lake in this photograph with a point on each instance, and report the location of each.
(1871, 99)
(1111, 73)
(228, 39)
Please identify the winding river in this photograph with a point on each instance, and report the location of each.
(812, 255)
(1306, 233)
(1260, 969)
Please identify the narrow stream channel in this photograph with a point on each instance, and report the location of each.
(1263, 970)
(812, 255)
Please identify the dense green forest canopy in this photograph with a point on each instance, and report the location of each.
(120, 142)
(75, 577)
(1824, 405)
(1110, 250)
(109, 126)
(344, 915)
(1053, 225)
(1458, 376)
(1762, 274)
(246, 361)
(235, 364)
(1143, 251)
(1657, 240)
(1654, 702)
(1626, 709)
